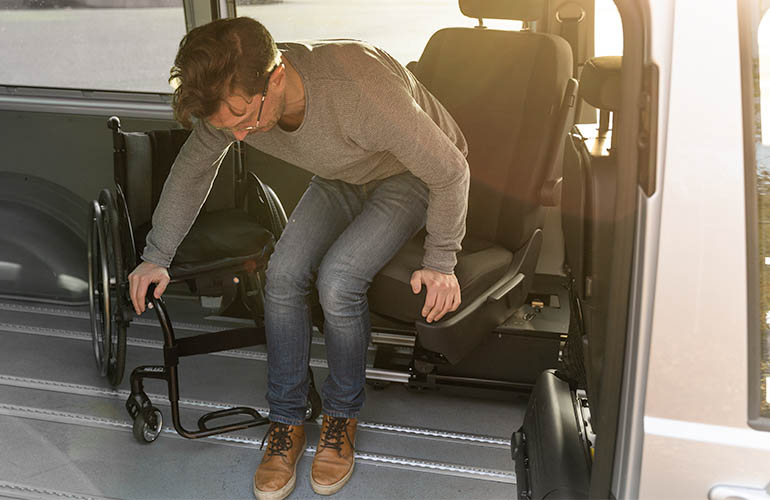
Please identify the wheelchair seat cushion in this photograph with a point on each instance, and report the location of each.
(479, 264)
(215, 236)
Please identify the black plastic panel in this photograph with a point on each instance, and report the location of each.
(551, 455)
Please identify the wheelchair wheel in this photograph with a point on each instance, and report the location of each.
(98, 288)
(107, 287)
(148, 425)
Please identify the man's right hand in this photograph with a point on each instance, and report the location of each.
(141, 277)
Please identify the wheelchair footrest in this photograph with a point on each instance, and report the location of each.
(213, 342)
(254, 420)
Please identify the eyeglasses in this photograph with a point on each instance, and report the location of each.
(250, 128)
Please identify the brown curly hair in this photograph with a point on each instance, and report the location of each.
(217, 60)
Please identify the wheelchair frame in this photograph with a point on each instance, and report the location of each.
(111, 256)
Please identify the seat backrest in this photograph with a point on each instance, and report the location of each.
(588, 212)
(505, 90)
(143, 161)
(588, 199)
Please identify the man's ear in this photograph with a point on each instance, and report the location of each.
(279, 75)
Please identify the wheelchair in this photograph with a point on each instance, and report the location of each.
(210, 260)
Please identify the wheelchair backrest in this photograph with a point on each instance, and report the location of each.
(143, 162)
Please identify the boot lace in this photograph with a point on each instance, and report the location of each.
(280, 441)
(333, 437)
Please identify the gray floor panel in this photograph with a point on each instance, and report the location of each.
(101, 462)
(368, 441)
(206, 377)
(76, 439)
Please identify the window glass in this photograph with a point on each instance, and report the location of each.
(608, 29)
(400, 27)
(761, 73)
(52, 44)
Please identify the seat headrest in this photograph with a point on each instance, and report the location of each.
(517, 10)
(600, 82)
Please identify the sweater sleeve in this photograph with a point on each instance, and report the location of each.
(185, 190)
(432, 147)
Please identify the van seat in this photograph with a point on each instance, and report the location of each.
(509, 92)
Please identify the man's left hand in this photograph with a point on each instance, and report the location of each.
(443, 293)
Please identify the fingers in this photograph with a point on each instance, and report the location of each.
(133, 283)
(443, 296)
(140, 280)
(162, 284)
(439, 309)
(445, 302)
(430, 302)
(138, 292)
(416, 282)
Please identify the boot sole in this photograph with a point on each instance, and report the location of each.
(287, 488)
(330, 489)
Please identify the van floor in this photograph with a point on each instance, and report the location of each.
(64, 432)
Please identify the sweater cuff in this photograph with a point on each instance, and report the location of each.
(442, 261)
(154, 257)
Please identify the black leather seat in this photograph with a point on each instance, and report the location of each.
(512, 96)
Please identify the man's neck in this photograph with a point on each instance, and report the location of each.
(294, 111)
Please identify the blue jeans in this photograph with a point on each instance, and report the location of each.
(339, 235)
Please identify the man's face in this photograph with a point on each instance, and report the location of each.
(243, 115)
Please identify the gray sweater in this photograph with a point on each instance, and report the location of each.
(366, 118)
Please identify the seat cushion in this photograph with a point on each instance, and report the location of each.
(479, 265)
(224, 234)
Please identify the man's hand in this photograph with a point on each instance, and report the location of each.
(141, 277)
(443, 293)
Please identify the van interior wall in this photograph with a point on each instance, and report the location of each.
(74, 151)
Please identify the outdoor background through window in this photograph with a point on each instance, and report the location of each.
(130, 45)
(761, 70)
(81, 44)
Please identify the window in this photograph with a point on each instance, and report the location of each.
(90, 48)
(761, 75)
(756, 61)
(401, 27)
(608, 34)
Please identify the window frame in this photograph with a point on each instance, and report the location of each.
(745, 27)
(85, 102)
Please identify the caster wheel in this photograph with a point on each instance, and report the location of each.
(135, 403)
(148, 425)
(313, 405)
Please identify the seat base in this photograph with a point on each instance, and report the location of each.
(456, 337)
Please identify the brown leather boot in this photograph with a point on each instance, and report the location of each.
(277, 473)
(334, 460)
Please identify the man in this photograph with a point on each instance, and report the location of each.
(388, 159)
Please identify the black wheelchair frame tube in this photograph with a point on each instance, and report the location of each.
(168, 372)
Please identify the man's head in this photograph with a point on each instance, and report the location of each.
(226, 62)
